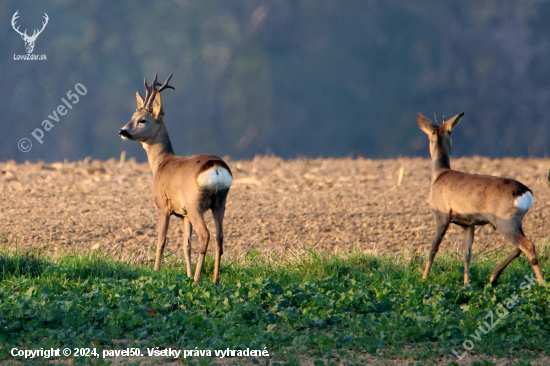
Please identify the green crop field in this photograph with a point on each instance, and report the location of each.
(301, 307)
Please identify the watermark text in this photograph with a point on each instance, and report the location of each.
(25, 144)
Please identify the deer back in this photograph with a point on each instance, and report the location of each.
(482, 196)
(180, 183)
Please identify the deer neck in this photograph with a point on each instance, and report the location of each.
(440, 163)
(158, 148)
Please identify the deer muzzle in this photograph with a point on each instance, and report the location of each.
(125, 135)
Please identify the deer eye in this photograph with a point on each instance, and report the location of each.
(142, 121)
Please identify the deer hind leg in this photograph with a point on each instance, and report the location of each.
(517, 237)
(218, 220)
(163, 222)
(197, 220)
(529, 249)
(187, 228)
(442, 223)
(498, 270)
(467, 251)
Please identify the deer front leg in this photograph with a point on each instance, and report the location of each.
(442, 223)
(467, 251)
(187, 228)
(163, 221)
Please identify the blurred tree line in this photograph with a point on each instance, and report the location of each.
(289, 77)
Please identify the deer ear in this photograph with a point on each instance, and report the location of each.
(452, 123)
(425, 124)
(157, 107)
(139, 100)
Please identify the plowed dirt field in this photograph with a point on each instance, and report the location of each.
(327, 204)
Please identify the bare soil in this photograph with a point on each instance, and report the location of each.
(327, 204)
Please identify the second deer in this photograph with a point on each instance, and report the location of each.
(470, 199)
(183, 187)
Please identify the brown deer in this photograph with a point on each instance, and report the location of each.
(470, 199)
(183, 187)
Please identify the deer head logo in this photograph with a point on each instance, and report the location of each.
(29, 41)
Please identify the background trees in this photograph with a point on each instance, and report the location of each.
(292, 77)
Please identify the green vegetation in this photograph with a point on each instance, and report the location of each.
(325, 307)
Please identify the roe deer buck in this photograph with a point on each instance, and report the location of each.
(470, 199)
(184, 187)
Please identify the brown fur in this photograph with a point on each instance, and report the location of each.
(470, 199)
(176, 190)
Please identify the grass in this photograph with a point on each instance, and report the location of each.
(328, 308)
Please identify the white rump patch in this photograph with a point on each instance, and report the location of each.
(215, 178)
(525, 201)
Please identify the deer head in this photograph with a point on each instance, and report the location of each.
(29, 41)
(440, 136)
(147, 119)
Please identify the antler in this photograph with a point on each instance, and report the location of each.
(24, 34)
(151, 91)
(15, 16)
(34, 35)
